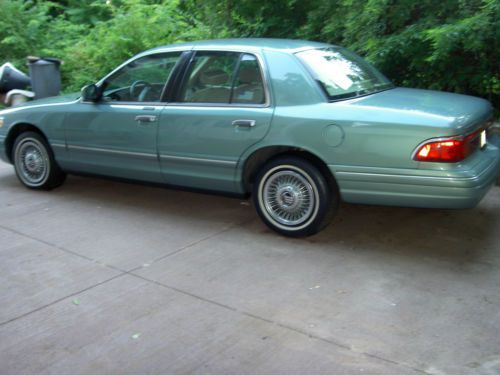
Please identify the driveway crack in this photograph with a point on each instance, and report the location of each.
(60, 248)
(194, 243)
(284, 326)
(61, 299)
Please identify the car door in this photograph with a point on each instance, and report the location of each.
(221, 108)
(117, 135)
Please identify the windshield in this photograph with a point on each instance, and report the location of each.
(343, 74)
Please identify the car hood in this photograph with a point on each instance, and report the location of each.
(52, 100)
(451, 110)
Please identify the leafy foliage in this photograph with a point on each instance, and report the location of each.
(448, 45)
(133, 27)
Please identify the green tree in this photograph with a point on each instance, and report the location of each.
(447, 45)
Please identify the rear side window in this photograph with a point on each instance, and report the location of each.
(223, 78)
(248, 86)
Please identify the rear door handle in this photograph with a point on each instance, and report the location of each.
(146, 118)
(244, 123)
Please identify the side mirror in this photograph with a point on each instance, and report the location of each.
(91, 93)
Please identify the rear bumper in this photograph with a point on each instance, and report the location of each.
(457, 186)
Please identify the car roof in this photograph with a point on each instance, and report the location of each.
(289, 45)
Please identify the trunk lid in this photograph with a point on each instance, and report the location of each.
(462, 113)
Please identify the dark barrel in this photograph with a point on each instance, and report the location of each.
(45, 76)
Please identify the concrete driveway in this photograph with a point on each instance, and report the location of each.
(106, 277)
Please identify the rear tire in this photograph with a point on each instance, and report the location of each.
(293, 197)
(34, 162)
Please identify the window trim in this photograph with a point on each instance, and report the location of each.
(172, 86)
(260, 62)
(235, 75)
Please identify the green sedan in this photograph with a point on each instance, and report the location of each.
(298, 125)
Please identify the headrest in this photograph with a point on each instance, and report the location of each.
(249, 75)
(214, 77)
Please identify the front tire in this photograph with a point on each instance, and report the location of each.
(34, 162)
(293, 197)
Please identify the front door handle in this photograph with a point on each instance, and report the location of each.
(244, 123)
(146, 118)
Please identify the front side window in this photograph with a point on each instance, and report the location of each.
(223, 78)
(141, 80)
(343, 74)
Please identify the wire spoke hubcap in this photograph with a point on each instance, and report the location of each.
(32, 160)
(288, 197)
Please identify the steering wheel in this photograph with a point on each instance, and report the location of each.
(142, 93)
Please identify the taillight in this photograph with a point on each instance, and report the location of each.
(449, 150)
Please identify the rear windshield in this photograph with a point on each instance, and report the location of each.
(343, 74)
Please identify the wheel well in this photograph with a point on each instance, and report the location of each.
(14, 133)
(260, 157)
